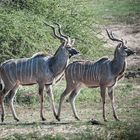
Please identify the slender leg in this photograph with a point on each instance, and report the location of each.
(2, 113)
(103, 92)
(51, 99)
(11, 96)
(72, 98)
(63, 95)
(2, 95)
(110, 93)
(41, 88)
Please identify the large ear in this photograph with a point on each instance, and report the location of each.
(72, 42)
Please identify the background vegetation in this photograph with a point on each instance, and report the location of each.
(23, 33)
(22, 29)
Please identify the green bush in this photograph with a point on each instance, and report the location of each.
(22, 29)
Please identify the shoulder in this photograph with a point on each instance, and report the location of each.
(6, 62)
(103, 59)
(39, 54)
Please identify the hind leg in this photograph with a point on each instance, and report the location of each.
(2, 95)
(111, 95)
(103, 95)
(11, 96)
(62, 97)
(41, 88)
(2, 112)
(72, 98)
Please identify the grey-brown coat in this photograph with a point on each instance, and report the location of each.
(39, 69)
(103, 73)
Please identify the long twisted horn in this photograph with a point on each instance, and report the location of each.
(55, 34)
(112, 37)
(60, 32)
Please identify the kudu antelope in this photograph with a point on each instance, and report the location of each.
(39, 69)
(103, 73)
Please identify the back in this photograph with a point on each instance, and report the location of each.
(87, 72)
(25, 70)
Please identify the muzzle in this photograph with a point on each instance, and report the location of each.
(73, 52)
(130, 52)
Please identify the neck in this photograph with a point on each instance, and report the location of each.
(118, 64)
(58, 62)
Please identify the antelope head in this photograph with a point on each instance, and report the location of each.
(121, 47)
(66, 42)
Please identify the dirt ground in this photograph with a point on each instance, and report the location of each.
(29, 116)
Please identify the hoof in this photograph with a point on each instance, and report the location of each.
(16, 119)
(117, 119)
(2, 119)
(57, 118)
(43, 119)
(77, 118)
(105, 120)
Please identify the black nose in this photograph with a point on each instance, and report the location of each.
(76, 52)
(130, 52)
(73, 52)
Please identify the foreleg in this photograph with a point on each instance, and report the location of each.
(41, 88)
(11, 96)
(72, 98)
(111, 95)
(51, 99)
(103, 94)
(63, 95)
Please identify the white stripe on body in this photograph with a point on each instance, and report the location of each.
(37, 66)
(90, 73)
(20, 75)
(87, 71)
(31, 69)
(75, 72)
(72, 72)
(7, 76)
(16, 69)
(93, 71)
(83, 72)
(10, 76)
(26, 71)
(97, 72)
(80, 74)
(96, 69)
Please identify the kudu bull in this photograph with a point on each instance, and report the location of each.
(104, 74)
(39, 69)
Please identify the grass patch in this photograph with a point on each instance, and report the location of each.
(31, 136)
(124, 130)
